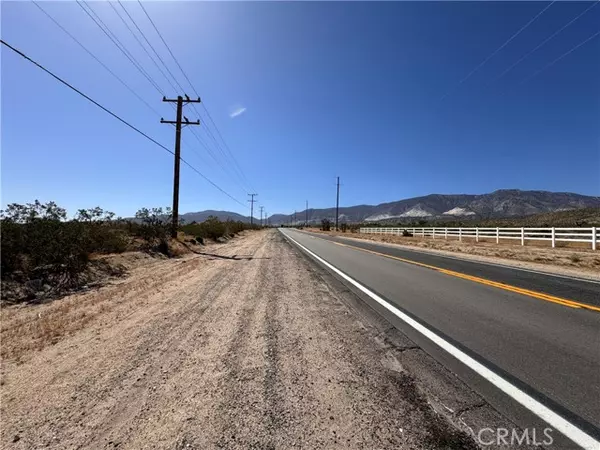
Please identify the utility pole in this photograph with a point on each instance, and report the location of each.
(306, 220)
(178, 123)
(337, 204)
(252, 207)
(295, 220)
(261, 215)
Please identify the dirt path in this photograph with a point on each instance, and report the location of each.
(207, 352)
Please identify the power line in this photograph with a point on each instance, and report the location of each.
(561, 57)
(140, 68)
(94, 56)
(140, 43)
(481, 64)
(20, 53)
(213, 156)
(549, 38)
(153, 49)
(112, 73)
(235, 163)
(118, 44)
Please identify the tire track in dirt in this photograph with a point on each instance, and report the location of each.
(248, 353)
(121, 395)
(181, 340)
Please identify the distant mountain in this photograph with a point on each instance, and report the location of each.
(498, 204)
(201, 216)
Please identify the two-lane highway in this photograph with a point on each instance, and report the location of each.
(539, 332)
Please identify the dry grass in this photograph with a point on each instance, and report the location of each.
(29, 327)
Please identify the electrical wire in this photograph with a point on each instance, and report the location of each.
(96, 58)
(142, 45)
(118, 44)
(152, 47)
(187, 145)
(597, 33)
(231, 157)
(549, 38)
(56, 77)
(491, 55)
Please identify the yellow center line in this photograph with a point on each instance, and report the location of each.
(506, 287)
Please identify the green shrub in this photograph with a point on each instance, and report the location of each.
(152, 225)
(37, 240)
(213, 228)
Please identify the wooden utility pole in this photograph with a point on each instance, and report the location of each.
(306, 224)
(261, 215)
(337, 204)
(178, 123)
(252, 207)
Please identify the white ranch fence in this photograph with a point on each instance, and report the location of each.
(589, 235)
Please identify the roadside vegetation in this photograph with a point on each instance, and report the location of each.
(45, 253)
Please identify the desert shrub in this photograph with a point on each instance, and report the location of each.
(37, 240)
(344, 227)
(213, 228)
(406, 233)
(152, 225)
(44, 246)
(325, 225)
(12, 242)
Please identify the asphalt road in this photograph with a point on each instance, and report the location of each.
(551, 350)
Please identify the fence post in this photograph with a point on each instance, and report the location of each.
(497, 235)
(522, 236)
(460, 234)
(594, 238)
(433, 232)
(553, 237)
(446, 233)
(476, 234)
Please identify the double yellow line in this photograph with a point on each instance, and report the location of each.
(506, 287)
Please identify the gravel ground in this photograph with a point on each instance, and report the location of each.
(247, 348)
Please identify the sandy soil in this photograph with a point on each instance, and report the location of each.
(246, 348)
(563, 261)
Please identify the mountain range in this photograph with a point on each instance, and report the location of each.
(498, 204)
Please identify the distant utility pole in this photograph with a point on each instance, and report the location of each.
(295, 220)
(306, 213)
(337, 204)
(261, 215)
(252, 207)
(178, 123)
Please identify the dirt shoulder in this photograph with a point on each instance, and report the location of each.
(562, 261)
(242, 347)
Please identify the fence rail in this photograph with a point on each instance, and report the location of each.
(588, 235)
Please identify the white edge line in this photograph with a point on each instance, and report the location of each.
(553, 419)
(487, 263)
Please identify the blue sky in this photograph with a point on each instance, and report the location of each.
(367, 91)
